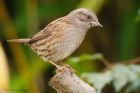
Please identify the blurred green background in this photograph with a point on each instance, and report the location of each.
(22, 71)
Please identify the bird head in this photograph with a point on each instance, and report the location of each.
(84, 17)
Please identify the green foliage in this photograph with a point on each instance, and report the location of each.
(137, 19)
(84, 63)
(86, 57)
(120, 76)
(98, 80)
(128, 34)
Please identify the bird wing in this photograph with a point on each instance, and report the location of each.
(50, 29)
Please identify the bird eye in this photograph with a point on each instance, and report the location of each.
(88, 17)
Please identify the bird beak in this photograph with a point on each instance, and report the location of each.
(93, 24)
(98, 24)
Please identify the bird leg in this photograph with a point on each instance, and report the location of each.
(61, 63)
(54, 64)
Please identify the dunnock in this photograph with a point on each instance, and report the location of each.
(62, 37)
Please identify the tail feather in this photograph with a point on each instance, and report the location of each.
(19, 40)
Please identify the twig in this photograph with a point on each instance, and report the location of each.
(131, 61)
(106, 63)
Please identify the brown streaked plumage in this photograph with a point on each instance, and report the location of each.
(62, 37)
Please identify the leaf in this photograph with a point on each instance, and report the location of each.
(135, 68)
(86, 57)
(134, 73)
(98, 80)
(134, 86)
(120, 76)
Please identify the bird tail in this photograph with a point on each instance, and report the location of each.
(19, 40)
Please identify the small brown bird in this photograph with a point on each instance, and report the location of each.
(63, 36)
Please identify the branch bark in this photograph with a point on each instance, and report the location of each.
(65, 81)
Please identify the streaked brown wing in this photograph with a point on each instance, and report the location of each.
(40, 35)
(48, 30)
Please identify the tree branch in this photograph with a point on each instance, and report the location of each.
(65, 81)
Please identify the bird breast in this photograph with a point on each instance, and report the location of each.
(72, 38)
